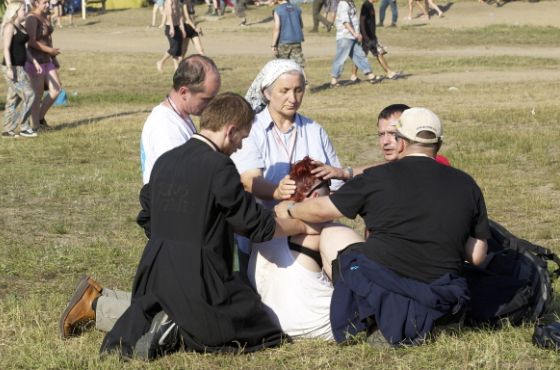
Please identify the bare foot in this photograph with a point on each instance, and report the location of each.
(159, 66)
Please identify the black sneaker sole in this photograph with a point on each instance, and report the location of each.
(149, 346)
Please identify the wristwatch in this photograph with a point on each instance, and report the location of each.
(289, 209)
(350, 172)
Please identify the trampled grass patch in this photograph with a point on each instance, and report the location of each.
(68, 199)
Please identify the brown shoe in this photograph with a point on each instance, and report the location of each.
(79, 311)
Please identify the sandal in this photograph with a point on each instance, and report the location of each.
(375, 79)
(355, 81)
(396, 76)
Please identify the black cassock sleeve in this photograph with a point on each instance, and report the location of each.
(242, 211)
(143, 219)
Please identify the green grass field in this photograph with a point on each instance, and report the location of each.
(69, 198)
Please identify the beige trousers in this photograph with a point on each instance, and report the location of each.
(110, 306)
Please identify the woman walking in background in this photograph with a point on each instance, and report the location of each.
(20, 95)
(40, 47)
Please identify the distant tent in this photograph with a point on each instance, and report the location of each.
(124, 4)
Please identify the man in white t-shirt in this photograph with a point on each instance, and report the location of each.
(195, 82)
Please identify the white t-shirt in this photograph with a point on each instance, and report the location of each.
(296, 298)
(346, 13)
(164, 130)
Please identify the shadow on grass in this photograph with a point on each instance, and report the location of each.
(346, 83)
(444, 8)
(87, 121)
(265, 20)
(90, 23)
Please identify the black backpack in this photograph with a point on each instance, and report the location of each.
(513, 284)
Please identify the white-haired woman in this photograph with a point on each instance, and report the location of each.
(280, 136)
(40, 30)
(20, 97)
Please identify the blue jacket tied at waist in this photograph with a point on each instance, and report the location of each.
(404, 309)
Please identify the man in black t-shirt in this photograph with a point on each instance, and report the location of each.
(412, 202)
(370, 42)
(425, 218)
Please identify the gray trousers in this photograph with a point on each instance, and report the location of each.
(110, 306)
(18, 101)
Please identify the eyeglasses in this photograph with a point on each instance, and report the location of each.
(319, 185)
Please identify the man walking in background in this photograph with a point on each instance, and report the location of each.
(394, 12)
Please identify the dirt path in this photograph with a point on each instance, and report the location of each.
(94, 35)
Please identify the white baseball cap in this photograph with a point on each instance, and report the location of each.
(415, 120)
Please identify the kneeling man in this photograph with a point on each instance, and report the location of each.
(184, 283)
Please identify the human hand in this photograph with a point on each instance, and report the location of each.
(38, 68)
(359, 38)
(10, 73)
(171, 31)
(326, 172)
(285, 189)
(54, 52)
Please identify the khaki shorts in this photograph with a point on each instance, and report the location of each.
(291, 51)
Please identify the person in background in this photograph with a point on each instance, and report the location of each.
(318, 17)
(287, 34)
(175, 33)
(192, 31)
(20, 97)
(69, 11)
(40, 45)
(394, 12)
(370, 44)
(348, 40)
(56, 12)
(158, 8)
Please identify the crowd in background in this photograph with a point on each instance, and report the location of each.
(30, 65)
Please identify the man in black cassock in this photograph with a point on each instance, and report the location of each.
(191, 207)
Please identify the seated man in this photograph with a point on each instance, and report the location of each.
(425, 220)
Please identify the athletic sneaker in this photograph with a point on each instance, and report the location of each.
(9, 135)
(28, 133)
(162, 338)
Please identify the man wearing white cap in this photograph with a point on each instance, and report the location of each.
(424, 218)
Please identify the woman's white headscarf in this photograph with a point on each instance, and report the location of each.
(266, 77)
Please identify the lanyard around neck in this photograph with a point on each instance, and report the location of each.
(186, 119)
(287, 149)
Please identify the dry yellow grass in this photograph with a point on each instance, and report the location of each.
(68, 199)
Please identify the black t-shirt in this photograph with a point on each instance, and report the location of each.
(17, 48)
(419, 214)
(367, 21)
